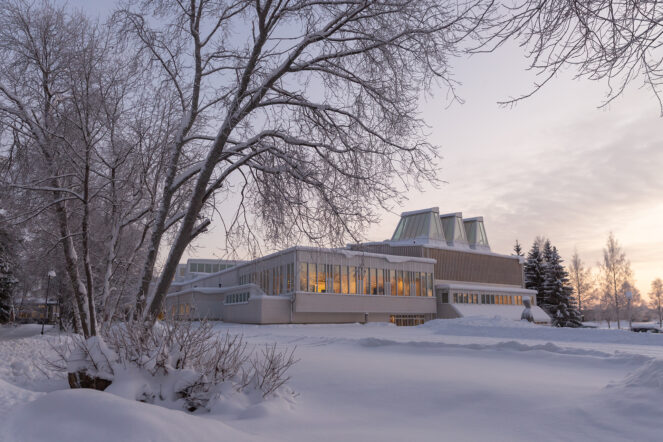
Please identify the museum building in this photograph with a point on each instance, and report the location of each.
(434, 266)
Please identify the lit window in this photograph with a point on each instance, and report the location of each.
(353, 280)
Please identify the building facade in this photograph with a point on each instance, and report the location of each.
(433, 267)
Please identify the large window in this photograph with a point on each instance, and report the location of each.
(322, 279)
(337, 279)
(303, 276)
(344, 280)
(374, 281)
(353, 280)
(364, 280)
(312, 277)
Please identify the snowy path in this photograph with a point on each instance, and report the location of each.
(447, 380)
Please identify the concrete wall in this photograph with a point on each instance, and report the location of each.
(334, 303)
(446, 311)
(260, 310)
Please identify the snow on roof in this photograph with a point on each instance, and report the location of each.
(504, 311)
(485, 287)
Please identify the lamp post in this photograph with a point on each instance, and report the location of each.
(51, 274)
(629, 297)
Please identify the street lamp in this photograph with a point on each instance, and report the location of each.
(51, 274)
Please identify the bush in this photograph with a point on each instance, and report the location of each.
(175, 362)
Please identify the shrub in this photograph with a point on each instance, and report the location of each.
(180, 362)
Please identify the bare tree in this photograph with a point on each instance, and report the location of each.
(582, 281)
(75, 124)
(308, 117)
(616, 272)
(656, 299)
(614, 40)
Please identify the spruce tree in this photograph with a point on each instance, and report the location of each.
(558, 294)
(547, 256)
(534, 271)
(518, 249)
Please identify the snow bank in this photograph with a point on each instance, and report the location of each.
(515, 346)
(498, 327)
(649, 376)
(97, 416)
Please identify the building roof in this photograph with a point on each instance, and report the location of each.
(504, 311)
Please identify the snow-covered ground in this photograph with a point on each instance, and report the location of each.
(466, 379)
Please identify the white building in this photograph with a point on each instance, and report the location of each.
(433, 267)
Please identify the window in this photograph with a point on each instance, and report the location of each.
(392, 283)
(344, 280)
(364, 281)
(400, 282)
(406, 283)
(374, 281)
(380, 282)
(417, 284)
(237, 298)
(291, 277)
(312, 277)
(337, 279)
(322, 279)
(409, 320)
(352, 277)
(303, 276)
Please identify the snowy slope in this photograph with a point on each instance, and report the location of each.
(465, 379)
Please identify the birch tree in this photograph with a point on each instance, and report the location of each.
(616, 272)
(74, 124)
(305, 111)
(581, 281)
(656, 299)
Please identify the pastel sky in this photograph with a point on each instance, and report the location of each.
(554, 165)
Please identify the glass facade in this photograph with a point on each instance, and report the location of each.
(325, 278)
(200, 267)
(479, 298)
(275, 280)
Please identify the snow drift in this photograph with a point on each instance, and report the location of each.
(85, 414)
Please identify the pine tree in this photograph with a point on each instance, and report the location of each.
(518, 249)
(7, 280)
(558, 294)
(534, 271)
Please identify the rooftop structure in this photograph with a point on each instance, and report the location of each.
(420, 227)
(454, 229)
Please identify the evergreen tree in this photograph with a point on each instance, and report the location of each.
(518, 249)
(534, 271)
(558, 294)
(7, 279)
(547, 256)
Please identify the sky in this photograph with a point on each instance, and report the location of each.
(554, 165)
